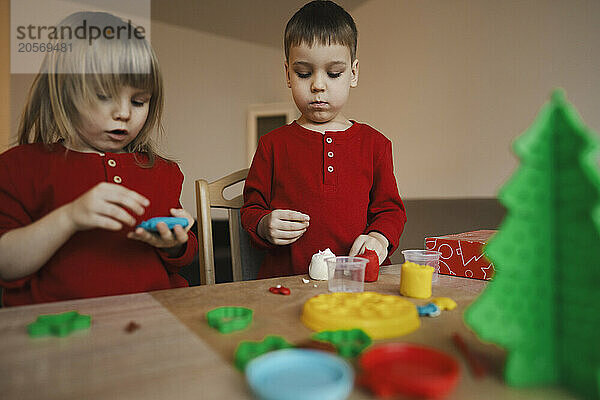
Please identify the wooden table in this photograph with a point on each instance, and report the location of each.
(176, 355)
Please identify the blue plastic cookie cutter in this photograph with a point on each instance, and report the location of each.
(150, 224)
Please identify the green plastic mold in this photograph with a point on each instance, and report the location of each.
(247, 350)
(542, 304)
(229, 319)
(59, 324)
(348, 342)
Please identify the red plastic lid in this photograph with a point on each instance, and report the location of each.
(408, 369)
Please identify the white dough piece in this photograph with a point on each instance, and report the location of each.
(318, 267)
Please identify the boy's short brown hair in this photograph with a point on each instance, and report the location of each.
(321, 21)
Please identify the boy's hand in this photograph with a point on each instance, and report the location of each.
(105, 206)
(282, 227)
(169, 240)
(374, 241)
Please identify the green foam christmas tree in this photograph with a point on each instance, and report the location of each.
(542, 305)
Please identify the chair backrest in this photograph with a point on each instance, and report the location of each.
(245, 258)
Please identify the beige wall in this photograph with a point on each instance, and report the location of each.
(210, 82)
(452, 83)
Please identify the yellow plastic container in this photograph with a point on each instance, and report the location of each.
(380, 316)
(415, 280)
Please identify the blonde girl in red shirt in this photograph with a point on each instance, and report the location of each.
(86, 173)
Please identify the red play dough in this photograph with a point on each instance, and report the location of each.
(372, 270)
(280, 290)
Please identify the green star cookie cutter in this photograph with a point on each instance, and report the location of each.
(348, 342)
(229, 319)
(59, 324)
(247, 350)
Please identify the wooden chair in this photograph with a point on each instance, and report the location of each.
(245, 258)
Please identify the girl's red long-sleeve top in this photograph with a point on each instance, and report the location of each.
(344, 180)
(35, 180)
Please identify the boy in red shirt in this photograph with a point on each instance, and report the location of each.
(323, 180)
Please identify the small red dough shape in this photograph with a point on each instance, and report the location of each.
(410, 370)
(372, 269)
(280, 290)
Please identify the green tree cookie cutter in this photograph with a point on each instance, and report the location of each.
(59, 324)
(247, 350)
(229, 319)
(348, 342)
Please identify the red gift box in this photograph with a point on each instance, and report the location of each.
(462, 254)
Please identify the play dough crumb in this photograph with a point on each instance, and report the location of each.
(444, 303)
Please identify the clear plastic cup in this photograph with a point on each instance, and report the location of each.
(346, 274)
(424, 257)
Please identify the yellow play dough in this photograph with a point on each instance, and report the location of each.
(415, 280)
(380, 316)
(444, 303)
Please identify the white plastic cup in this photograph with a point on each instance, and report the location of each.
(346, 274)
(424, 257)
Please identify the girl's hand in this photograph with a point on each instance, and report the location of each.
(105, 206)
(373, 241)
(282, 227)
(169, 240)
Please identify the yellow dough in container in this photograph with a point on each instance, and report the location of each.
(415, 280)
(380, 316)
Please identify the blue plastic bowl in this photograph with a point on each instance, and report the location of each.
(300, 374)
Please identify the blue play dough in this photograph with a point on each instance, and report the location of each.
(300, 374)
(429, 310)
(150, 225)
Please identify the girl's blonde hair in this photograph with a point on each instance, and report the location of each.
(71, 79)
